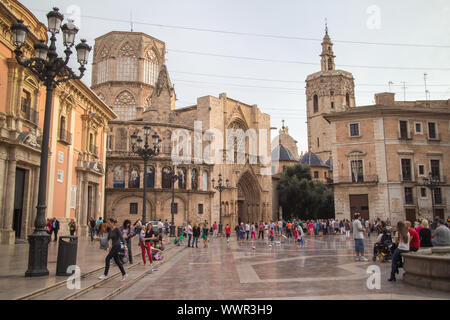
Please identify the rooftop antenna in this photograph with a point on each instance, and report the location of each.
(282, 124)
(404, 91)
(390, 83)
(131, 20)
(427, 93)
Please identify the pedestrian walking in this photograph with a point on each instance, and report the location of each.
(160, 226)
(247, 229)
(72, 227)
(116, 239)
(127, 233)
(55, 228)
(241, 233)
(228, 232)
(214, 226)
(91, 225)
(189, 233)
(145, 237)
(196, 234)
(253, 234)
(347, 228)
(205, 235)
(358, 236)
(166, 227)
(236, 229)
(261, 230)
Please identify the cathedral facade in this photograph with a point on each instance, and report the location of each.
(130, 75)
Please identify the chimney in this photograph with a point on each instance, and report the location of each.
(385, 98)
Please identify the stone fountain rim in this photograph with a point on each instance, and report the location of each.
(426, 254)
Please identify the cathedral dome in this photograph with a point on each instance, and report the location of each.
(311, 159)
(282, 153)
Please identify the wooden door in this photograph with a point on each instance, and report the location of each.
(359, 203)
(411, 215)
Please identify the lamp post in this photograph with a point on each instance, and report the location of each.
(145, 152)
(220, 187)
(51, 70)
(432, 182)
(173, 179)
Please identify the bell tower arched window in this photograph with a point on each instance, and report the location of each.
(125, 106)
(150, 68)
(316, 103)
(127, 64)
(347, 99)
(103, 66)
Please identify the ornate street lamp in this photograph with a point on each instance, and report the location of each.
(145, 152)
(432, 182)
(220, 187)
(51, 70)
(173, 178)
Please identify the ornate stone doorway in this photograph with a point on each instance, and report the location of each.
(248, 199)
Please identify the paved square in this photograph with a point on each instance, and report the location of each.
(324, 269)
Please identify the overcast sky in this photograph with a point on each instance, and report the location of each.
(422, 28)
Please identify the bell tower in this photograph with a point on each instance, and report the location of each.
(327, 91)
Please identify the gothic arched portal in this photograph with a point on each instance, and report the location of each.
(248, 199)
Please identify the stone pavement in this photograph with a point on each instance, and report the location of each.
(14, 263)
(324, 269)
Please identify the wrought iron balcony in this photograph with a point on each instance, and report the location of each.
(29, 114)
(65, 136)
(364, 179)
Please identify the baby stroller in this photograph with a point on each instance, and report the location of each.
(384, 249)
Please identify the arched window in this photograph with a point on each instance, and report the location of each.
(194, 179)
(134, 177)
(330, 64)
(205, 181)
(150, 177)
(150, 68)
(316, 103)
(318, 143)
(181, 178)
(125, 106)
(103, 66)
(166, 181)
(347, 99)
(119, 177)
(127, 64)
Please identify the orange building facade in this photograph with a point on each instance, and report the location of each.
(79, 126)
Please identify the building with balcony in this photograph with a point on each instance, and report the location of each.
(388, 160)
(79, 125)
(384, 154)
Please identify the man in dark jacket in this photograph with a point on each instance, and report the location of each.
(55, 228)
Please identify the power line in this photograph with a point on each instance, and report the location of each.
(303, 62)
(291, 90)
(259, 34)
(293, 81)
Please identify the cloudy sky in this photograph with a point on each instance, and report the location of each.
(260, 52)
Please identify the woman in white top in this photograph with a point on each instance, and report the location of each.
(402, 239)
